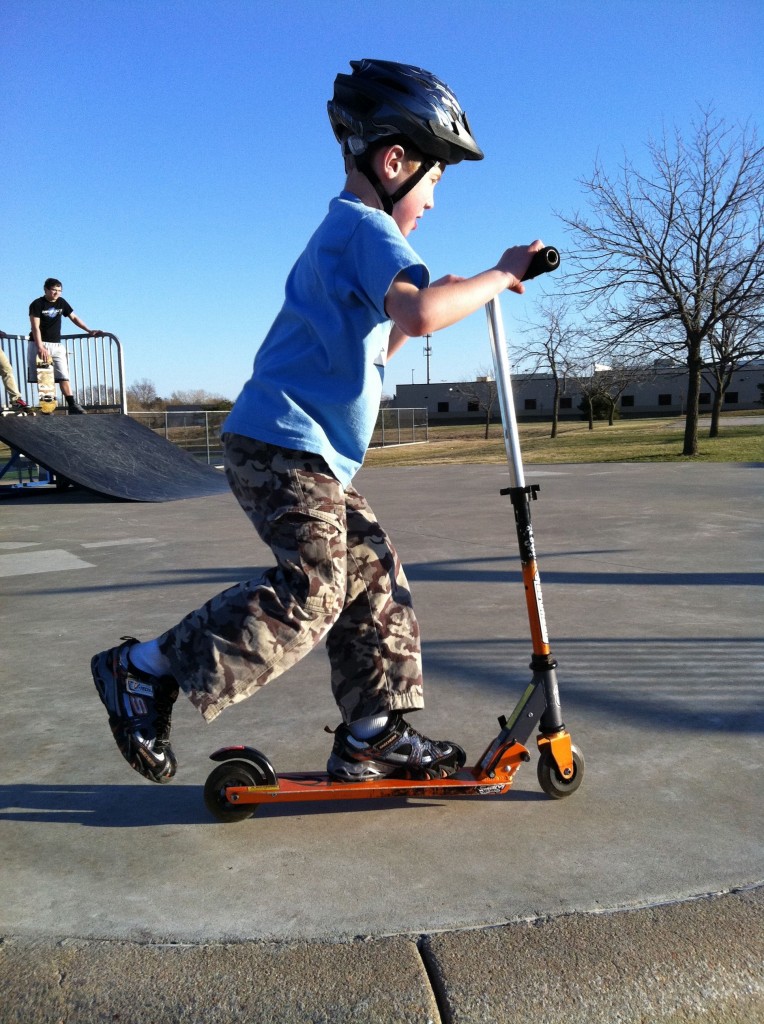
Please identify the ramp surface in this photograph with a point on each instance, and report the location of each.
(112, 455)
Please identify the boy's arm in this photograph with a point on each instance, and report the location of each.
(83, 327)
(42, 351)
(397, 340)
(418, 311)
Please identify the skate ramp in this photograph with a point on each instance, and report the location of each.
(112, 455)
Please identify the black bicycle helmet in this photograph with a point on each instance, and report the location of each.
(383, 99)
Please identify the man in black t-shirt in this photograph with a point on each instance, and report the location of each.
(45, 316)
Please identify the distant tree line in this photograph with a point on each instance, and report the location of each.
(142, 397)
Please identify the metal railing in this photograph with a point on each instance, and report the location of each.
(96, 370)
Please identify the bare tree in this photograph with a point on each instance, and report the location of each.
(584, 374)
(482, 392)
(625, 371)
(554, 345)
(143, 394)
(734, 341)
(667, 254)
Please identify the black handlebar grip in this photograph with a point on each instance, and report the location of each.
(543, 261)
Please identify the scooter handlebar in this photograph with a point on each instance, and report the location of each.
(543, 261)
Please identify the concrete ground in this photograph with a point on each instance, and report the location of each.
(636, 899)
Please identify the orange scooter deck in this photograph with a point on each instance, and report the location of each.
(307, 786)
(302, 786)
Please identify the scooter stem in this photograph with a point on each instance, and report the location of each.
(543, 261)
(542, 663)
(504, 387)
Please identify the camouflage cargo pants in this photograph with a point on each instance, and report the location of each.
(337, 577)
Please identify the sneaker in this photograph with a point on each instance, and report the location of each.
(139, 709)
(75, 410)
(400, 751)
(19, 403)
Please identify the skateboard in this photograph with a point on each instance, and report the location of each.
(46, 387)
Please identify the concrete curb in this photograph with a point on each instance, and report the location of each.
(697, 961)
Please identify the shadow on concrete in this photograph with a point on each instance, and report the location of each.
(435, 572)
(139, 806)
(49, 495)
(500, 572)
(129, 806)
(662, 688)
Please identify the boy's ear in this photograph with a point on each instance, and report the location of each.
(390, 161)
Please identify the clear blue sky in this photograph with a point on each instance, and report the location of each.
(168, 159)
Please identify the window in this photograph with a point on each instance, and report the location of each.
(704, 398)
(730, 398)
(664, 400)
(473, 405)
(627, 401)
(530, 403)
(442, 406)
(566, 402)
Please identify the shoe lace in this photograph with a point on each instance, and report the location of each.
(163, 704)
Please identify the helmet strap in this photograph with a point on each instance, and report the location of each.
(388, 201)
(413, 181)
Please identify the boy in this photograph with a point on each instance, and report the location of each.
(293, 441)
(45, 340)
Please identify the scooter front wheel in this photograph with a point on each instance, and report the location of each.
(552, 782)
(232, 773)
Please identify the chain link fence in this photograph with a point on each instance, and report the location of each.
(400, 426)
(198, 431)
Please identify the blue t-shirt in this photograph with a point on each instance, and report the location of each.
(317, 377)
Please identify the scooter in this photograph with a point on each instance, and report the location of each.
(245, 779)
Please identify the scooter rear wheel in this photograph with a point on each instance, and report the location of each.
(552, 782)
(232, 773)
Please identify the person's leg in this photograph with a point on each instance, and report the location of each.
(252, 632)
(9, 380)
(238, 641)
(61, 373)
(374, 646)
(375, 655)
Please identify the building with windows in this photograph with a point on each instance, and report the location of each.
(660, 391)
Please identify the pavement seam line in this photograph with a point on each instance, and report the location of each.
(432, 972)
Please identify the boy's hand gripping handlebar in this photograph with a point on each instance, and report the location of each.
(543, 261)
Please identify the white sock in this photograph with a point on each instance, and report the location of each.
(365, 728)
(149, 659)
